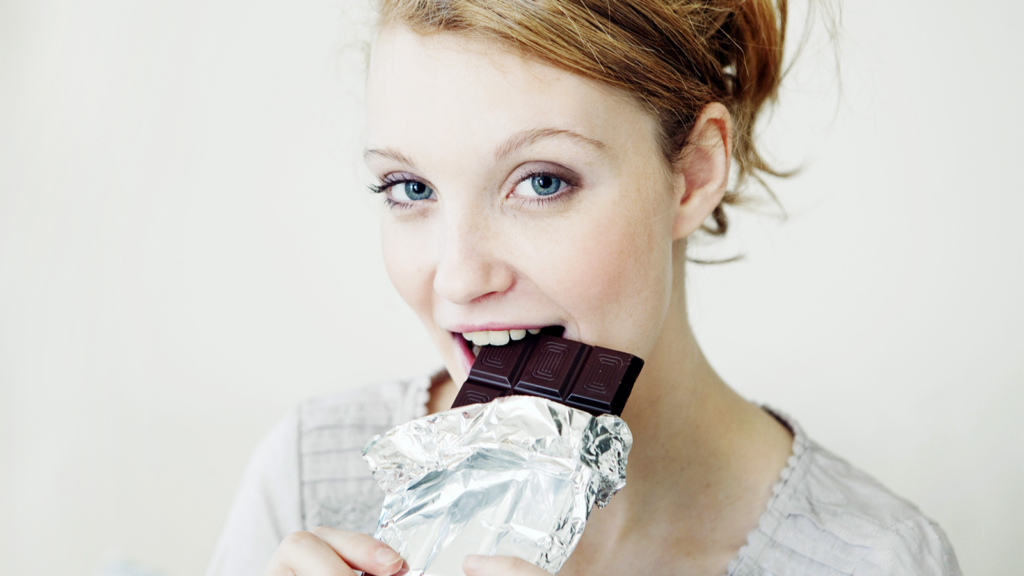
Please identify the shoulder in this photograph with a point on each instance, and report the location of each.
(828, 517)
(336, 486)
(880, 532)
(308, 471)
(372, 405)
(330, 431)
(336, 421)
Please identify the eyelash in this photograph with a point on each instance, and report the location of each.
(387, 183)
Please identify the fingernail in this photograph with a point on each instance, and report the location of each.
(473, 562)
(387, 556)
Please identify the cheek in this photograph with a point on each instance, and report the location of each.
(613, 278)
(409, 269)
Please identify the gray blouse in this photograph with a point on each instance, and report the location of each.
(825, 517)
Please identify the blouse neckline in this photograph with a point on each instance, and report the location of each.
(783, 488)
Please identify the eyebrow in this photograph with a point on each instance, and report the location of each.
(389, 153)
(527, 137)
(515, 142)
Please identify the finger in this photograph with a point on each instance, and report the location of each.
(304, 554)
(362, 552)
(474, 565)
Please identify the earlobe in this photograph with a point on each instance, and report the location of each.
(701, 173)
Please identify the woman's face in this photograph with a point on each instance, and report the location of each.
(519, 196)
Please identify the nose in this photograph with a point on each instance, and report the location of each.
(471, 262)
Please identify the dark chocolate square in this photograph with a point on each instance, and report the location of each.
(471, 393)
(605, 382)
(499, 365)
(551, 367)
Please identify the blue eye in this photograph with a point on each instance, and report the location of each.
(545, 185)
(405, 191)
(417, 190)
(540, 185)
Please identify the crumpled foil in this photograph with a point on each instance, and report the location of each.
(517, 476)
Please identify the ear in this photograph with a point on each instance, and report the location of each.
(701, 173)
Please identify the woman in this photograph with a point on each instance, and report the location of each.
(543, 164)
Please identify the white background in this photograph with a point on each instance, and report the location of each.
(187, 250)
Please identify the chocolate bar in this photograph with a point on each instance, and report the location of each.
(590, 378)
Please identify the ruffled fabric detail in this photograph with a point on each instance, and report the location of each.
(794, 462)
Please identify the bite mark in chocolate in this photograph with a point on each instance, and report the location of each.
(590, 378)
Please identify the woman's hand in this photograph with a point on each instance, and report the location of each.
(499, 566)
(329, 552)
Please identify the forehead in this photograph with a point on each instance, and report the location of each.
(473, 93)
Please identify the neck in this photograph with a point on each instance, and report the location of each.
(703, 459)
(682, 416)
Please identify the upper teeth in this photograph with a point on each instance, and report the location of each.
(496, 337)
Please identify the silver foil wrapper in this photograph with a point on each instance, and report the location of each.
(517, 476)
